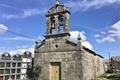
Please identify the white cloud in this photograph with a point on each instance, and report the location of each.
(32, 12)
(4, 5)
(87, 4)
(96, 35)
(106, 39)
(25, 13)
(8, 6)
(87, 44)
(19, 38)
(116, 28)
(3, 28)
(74, 35)
(2, 48)
(21, 51)
(111, 35)
(103, 32)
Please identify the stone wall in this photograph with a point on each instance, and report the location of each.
(68, 64)
(92, 66)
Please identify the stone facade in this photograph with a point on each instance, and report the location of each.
(72, 61)
(93, 64)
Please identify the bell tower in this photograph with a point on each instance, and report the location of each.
(57, 19)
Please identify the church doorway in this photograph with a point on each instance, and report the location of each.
(55, 71)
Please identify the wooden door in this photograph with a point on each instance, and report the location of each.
(55, 71)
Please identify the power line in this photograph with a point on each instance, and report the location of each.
(22, 35)
(15, 33)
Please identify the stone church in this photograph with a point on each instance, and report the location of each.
(60, 58)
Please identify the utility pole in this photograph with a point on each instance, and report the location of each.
(109, 61)
(109, 55)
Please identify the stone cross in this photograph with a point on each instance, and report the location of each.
(57, 1)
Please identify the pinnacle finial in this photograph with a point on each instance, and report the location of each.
(57, 1)
(79, 43)
(79, 38)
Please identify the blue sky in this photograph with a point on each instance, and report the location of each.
(23, 22)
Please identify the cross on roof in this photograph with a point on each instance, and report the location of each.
(57, 1)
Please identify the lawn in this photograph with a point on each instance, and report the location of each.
(109, 77)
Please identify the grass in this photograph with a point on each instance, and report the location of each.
(109, 77)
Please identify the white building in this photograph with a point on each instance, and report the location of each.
(14, 67)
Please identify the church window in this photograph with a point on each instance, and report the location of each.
(53, 22)
(56, 46)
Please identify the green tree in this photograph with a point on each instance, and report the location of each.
(34, 73)
(30, 73)
(37, 72)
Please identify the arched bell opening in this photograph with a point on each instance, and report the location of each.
(61, 23)
(52, 30)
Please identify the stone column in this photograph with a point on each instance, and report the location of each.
(48, 25)
(56, 24)
(66, 23)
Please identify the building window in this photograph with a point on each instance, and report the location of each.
(13, 77)
(7, 71)
(13, 64)
(18, 70)
(25, 65)
(1, 71)
(6, 77)
(13, 70)
(2, 64)
(8, 64)
(18, 77)
(19, 65)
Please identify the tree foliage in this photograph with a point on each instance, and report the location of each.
(34, 73)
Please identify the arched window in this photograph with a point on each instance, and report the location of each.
(61, 20)
(52, 30)
(61, 23)
(53, 22)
